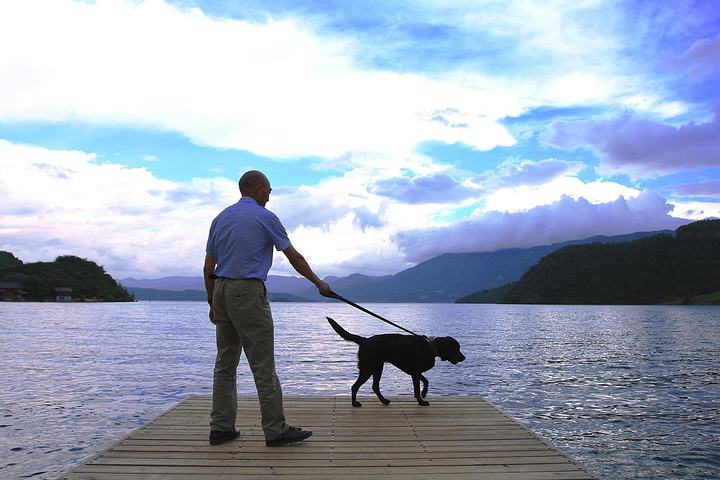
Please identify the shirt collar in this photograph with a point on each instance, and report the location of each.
(248, 200)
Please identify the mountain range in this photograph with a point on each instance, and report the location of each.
(441, 279)
(199, 295)
(275, 283)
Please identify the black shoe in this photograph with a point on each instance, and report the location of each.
(217, 437)
(294, 434)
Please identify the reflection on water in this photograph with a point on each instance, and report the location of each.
(632, 392)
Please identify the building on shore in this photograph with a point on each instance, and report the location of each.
(63, 294)
(11, 292)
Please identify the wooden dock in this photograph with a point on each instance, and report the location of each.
(454, 438)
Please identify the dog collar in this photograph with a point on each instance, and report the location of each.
(433, 347)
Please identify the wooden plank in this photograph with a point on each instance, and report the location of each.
(323, 455)
(323, 471)
(361, 449)
(354, 476)
(456, 437)
(357, 460)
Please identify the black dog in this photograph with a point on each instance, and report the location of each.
(412, 354)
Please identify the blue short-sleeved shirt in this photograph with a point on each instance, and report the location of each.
(242, 238)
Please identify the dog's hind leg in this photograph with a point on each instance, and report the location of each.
(425, 383)
(416, 387)
(362, 378)
(377, 374)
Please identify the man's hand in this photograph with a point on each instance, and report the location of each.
(212, 316)
(324, 289)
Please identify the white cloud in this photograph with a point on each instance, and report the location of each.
(339, 224)
(514, 172)
(568, 28)
(525, 197)
(654, 105)
(273, 88)
(56, 202)
(696, 210)
(580, 88)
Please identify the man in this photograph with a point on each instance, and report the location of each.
(239, 255)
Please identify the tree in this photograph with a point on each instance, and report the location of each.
(7, 259)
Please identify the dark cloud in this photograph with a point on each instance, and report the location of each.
(365, 218)
(702, 58)
(640, 147)
(564, 220)
(438, 188)
(709, 188)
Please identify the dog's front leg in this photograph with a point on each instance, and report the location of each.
(416, 388)
(376, 385)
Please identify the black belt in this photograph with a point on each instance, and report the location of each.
(215, 277)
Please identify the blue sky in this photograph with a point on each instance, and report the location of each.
(391, 131)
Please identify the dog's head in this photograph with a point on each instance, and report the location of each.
(449, 350)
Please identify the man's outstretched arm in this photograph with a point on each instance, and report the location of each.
(301, 266)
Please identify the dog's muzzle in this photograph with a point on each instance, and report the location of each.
(457, 358)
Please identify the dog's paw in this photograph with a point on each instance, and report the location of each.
(356, 404)
(385, 401)
(423, 403)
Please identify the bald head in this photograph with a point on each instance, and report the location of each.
(255, 185)
(250, 180)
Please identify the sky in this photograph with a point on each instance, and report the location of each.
(391, 132)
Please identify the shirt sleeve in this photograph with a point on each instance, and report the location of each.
(275, 229)
(210, 247)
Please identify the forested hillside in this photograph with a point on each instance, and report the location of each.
(7, 259)
(662, 268)
(87, 280)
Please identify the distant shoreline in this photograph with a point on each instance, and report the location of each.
(330, 302)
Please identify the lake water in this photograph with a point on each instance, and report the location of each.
(631, 392)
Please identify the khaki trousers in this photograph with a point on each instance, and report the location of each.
(243, 321)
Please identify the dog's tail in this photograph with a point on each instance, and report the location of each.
(344, 333)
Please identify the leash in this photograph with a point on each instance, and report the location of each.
(343, 299)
